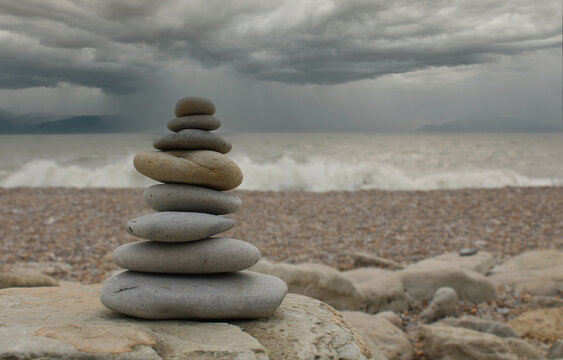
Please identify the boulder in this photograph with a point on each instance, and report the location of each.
(387, 337)
(480, 262)
(443, 304)
(542, 324)
(8, 280)
(422, 284)
(317, 281)
(383, 289)
(447, 343)
(71, 323)
(522, 349)
(537, 272)
(487, 326)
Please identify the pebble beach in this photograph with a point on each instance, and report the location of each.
(77, 229)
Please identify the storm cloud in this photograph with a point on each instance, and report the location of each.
(119, 45)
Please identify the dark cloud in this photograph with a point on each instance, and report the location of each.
(117, 45)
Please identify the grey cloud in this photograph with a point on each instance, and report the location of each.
(118, 45)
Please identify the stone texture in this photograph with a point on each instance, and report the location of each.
(487, 326)
(71, 323)
(536, 272)
(542, 324)
(480, 262)
(362, 259)
(242, 294)
(201, 122)
(556, 351)
(421, 284)
(190, 198)
(389, 338)
(317, 281)
(214, 255)
(192, 105)
(443, 304)
(522, 349)
(197, 167)
(383, 289)
(448, 343)
(193, 139)
(173, 226)
(8, 280)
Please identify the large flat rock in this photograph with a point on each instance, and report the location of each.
(71, 323)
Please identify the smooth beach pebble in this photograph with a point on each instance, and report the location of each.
(201, 122)
(467, 251)
(173, 226)
(238, 295)
(198, 167)
(213, 255)
(194, 106)
(184, 197)
(193, 139)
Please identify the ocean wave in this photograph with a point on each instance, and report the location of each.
(315, 174)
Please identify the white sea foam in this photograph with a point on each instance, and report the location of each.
(314, 174)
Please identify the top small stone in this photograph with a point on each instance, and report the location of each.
(194, 106)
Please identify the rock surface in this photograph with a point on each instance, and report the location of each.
(8, 280)
(71, 323)
(214, 255)
(542, 324)
(317, 281)
(443, 304)
(173, 226)
(556, 351)
(197, 167)
(193, 139)
(190, 198)
(362, 259)
(536, 272)
(487, 326)
(522, 349)
(192, 105)
(480, 262)
(201, 122)
(448, 343)
(387, 337)
(237, 295)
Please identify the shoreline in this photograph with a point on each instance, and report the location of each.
(81, 226)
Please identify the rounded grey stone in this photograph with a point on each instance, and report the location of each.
(192, 105)
(174, 226)
(202, 122)
(238, 295)
(214, 255)
(467, 251)
(184, 197)
(193, 139)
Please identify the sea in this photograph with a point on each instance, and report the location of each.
(315, 162)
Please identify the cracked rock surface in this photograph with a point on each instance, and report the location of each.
(69, 322)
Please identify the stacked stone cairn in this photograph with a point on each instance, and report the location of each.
(182, 271)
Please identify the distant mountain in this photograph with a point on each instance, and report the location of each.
(490, 125)
(39, 123)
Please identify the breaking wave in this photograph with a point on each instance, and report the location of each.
(286, 173)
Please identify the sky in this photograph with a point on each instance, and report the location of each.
(315, 65)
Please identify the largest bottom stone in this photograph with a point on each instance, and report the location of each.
(239, 295)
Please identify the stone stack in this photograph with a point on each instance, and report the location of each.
(181, 271)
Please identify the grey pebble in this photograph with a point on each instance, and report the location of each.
(213, 255)
(238, 295)
(193, 139)
(174, 226)
(467, 251)
(202, 122)
(184, 197)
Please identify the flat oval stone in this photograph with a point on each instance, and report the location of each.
(193, 139)
(213, 255)
(174, 226)
(239, 295)
(467, 251)
(192, 105)
(198, 167)
(202, 122)
(190, 198)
